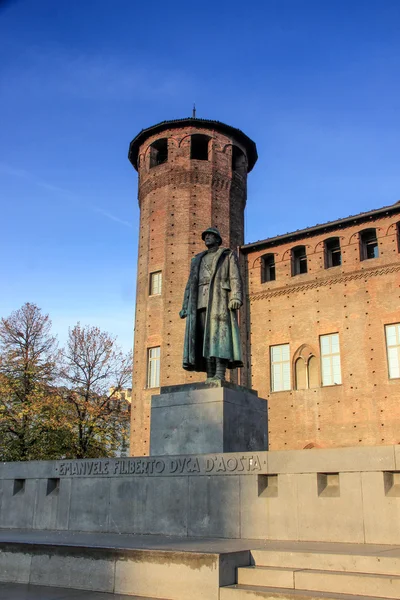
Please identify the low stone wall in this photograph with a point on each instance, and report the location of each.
(340, 495)
(146, 573)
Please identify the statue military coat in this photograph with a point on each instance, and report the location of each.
(221, 336)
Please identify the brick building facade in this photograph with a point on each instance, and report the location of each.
(320, 320)
(323, 305)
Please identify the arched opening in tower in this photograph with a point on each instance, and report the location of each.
(199, 146)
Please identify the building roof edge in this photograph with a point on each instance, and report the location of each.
(316, 229)
(241, 137)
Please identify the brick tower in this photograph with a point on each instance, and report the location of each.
(192, 174)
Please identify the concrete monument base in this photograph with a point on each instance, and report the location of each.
(338, 495)
(134, 565)
(158, 567)
(63, 523)
(203, 418)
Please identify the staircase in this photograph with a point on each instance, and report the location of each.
(297, 575)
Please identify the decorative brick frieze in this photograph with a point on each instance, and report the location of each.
(217, 181)
(342, 278)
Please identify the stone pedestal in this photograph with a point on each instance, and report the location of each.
(202, 418)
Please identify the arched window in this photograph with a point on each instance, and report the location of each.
(305, 368)
(299, 260)
(333, 254)
(267, 268)
(301, 374)
(312, 370)
(199, 146)
(238, 160)
(158, 152)
(368, 244)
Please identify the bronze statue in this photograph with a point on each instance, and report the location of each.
(212, 298)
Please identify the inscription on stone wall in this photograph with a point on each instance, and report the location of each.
(181, 465)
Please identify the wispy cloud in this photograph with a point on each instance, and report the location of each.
(57, 72)
(8, 170)
(112, 217)
(23, 174)
(67, 195)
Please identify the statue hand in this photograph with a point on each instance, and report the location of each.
(234, 304)
(183, 314)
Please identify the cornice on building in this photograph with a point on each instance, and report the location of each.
(328, 281)
(209, 124)
(363, 217)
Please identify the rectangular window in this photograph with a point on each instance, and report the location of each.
(267, 268)
(330, 359)
(333, 255)
(368, 244)
(155, 283)
(393, 349)
(299, 260)
(153, 367)
(280, 368)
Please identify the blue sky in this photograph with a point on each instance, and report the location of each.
(316, 83)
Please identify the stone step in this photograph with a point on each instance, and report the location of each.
(145, 572)
(363, 584)
(366, 584)
(250, 592)
(266, 576)
(378, 563)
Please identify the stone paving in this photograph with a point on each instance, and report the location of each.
(17, 591)
(184, 544)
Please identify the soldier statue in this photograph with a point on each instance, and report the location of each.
(213, 296)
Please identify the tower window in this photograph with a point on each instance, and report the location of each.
(238, 160)
(267, 268)
(368, 244)
(158, 152)
(153, 367)
(155, 283)
(299, 260)
(199, 147)
(333, 254)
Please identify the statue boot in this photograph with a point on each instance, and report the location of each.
(210, 367)
(220, 369)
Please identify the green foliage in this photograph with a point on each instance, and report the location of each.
(28, 363)
(59, 404)
(95, 371)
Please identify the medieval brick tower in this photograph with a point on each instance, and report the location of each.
(192, 174)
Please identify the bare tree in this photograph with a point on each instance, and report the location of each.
(94, 372)
(28, 367)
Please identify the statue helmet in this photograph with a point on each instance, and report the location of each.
(213, 230)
